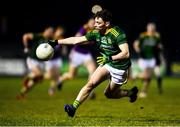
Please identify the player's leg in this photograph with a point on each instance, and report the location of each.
(67, 76)
(75, 62)
(118, 78)
(34, 76)
(159, 78)
(70, 74)
(113, 91)
(53, 80)
(97, 77)
(157, 71)
(91, 67)
(147, 66)
(52, 73)
(146, 76)
(135, 73)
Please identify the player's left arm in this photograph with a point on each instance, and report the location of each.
(161, 48)
(161, 52)
(124, 52)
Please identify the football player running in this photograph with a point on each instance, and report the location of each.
(149, 48)
(114, 61)
(35, 66)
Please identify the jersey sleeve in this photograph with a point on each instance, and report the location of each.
(91, 36)
(121, 38)
(34, 35)
(141, 37)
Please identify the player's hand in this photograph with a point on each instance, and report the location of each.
(53, 43)
(101, 60)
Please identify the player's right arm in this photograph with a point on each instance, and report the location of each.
(73, 40)
(136, 46)
(26, 38)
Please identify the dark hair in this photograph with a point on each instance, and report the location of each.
(105, 15)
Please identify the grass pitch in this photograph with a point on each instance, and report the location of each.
(39, 109)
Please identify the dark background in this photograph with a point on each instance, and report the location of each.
(131, 16)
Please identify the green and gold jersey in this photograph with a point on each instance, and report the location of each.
(109, 45)
(148, 45)
(33, 44)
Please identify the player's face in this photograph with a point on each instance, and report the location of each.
(99, 25)
(151, 27)
(91, 24)
(58, 33)
(48, 33)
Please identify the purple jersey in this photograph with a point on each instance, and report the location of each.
(56, 52)
(82, 31)
(84, 49)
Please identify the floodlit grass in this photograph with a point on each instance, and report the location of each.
(39, 109)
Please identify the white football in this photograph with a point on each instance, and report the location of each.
(96, 8)
(44, 51)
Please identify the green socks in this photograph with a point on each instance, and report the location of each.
(76, 104)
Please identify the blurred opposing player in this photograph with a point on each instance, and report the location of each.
(114, 61)
(53, 65)
(149, 48)
(81, 55)
(35, 66)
